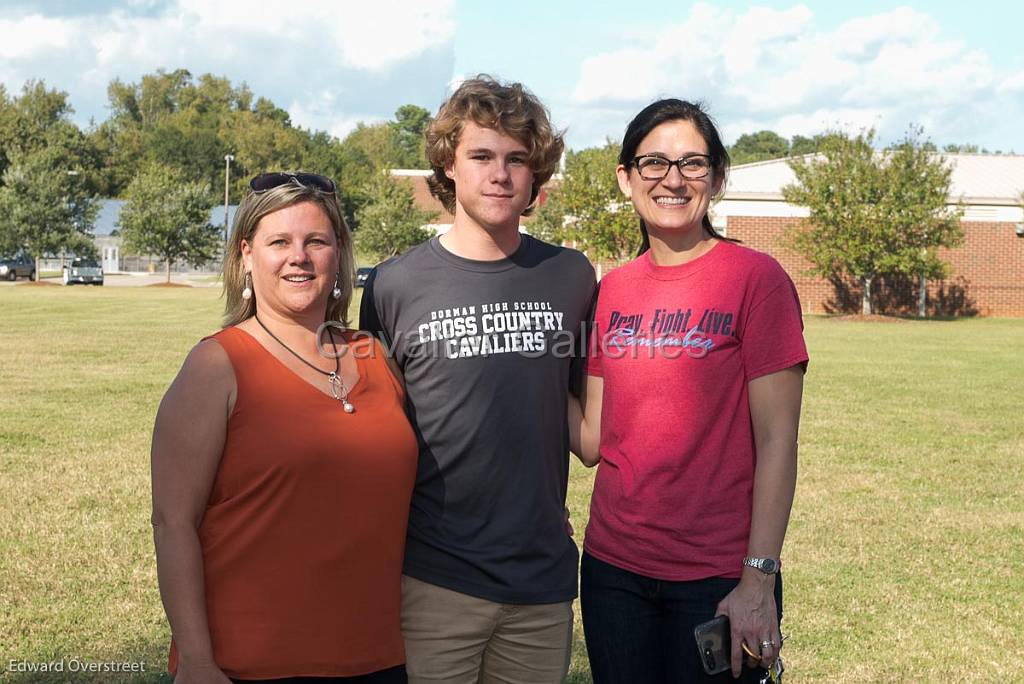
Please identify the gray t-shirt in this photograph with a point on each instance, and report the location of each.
(485, 347)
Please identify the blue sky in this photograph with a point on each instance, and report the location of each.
(955, 68)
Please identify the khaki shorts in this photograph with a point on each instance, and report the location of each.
(452, 637)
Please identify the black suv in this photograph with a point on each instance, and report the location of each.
(362, 273)
(22, 266)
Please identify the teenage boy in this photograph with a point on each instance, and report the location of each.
(483, 322)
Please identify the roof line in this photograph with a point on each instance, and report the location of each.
(971, 201)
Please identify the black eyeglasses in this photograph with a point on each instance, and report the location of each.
(269, 181)
(656, 167)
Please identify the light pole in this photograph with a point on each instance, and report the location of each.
(71, 173)
(228, 158)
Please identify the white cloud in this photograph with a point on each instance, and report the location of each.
(33, 35)
(322, 111)
(618, 75)
(320, 58)
(767, 68)
(367, 35)
(1014, 83)
(759, 34)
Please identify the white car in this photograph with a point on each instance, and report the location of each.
(85, 271)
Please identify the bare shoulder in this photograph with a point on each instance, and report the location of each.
(208, 361)
(189, 434)
(206, 377)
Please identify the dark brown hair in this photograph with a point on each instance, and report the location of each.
(664, 111)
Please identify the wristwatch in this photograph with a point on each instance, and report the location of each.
(768, 566)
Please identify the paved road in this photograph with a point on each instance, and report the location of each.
(139, 280)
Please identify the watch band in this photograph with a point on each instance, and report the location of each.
(768, 566)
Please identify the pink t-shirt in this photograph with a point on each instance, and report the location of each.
(676, 347)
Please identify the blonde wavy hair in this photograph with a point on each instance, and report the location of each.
(253, 208)
(510, 109)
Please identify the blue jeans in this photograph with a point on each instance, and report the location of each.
(639, 630)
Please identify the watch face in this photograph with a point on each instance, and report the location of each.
(768, 565)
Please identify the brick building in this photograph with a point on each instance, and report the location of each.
(987, 269)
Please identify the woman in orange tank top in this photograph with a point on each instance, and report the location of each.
(283, 465)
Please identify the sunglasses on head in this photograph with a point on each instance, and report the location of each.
(269, 181)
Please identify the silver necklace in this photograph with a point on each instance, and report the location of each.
(334, 381)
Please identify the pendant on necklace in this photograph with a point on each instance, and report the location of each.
(340, 392)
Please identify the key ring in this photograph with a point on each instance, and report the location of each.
(773, 674)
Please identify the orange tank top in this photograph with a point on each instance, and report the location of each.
(304, 532)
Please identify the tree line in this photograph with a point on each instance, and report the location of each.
(873, 213)
(162, 150)
(166, 139)
(768, 145)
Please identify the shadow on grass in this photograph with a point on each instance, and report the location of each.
(897, 295)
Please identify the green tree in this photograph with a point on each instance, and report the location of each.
(190, 123)
(27, 120)
(45, 206)
(41, 118)
(587, 208)
(265, 109)
(259, 144)
(324, 155)
(803, 145)
(364, 154)
(169, 216)
(752, 147)
(800, 145)
(409, 128)
(873, 214)
(954, 148)
(390, 222)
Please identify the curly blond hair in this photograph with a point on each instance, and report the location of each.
(510, 109)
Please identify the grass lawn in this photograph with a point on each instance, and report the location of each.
(903, 560)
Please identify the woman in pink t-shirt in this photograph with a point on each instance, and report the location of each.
(691, 405)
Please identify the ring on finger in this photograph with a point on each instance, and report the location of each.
(766, 644)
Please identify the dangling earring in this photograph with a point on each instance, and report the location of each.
(247, 290)
(336, 292)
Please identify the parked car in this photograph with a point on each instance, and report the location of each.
(362, 274)
(22, 266)
(83, 270)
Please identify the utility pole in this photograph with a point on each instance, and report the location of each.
(228, 158)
